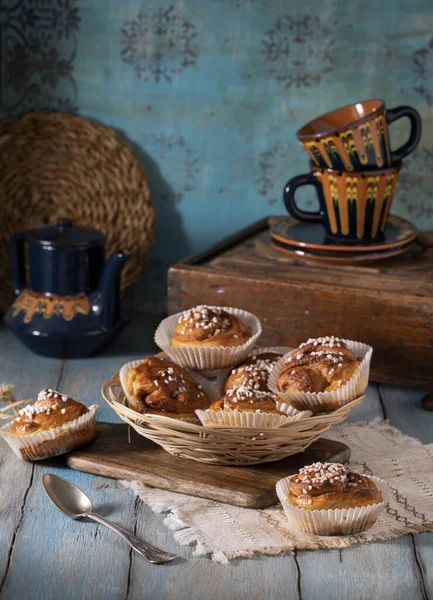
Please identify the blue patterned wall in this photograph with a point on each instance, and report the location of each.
(211, 92)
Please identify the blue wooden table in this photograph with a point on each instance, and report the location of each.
(44, 555)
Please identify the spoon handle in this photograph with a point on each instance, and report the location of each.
(152, 554)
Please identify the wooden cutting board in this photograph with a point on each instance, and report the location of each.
(111, 455)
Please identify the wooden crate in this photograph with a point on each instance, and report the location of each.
(388, 304)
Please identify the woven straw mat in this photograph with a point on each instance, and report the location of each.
(61, 165)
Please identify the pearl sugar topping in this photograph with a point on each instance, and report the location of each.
(30, 410)
(331, 354)
(245, 394)
(260, 369)
(328, 340)
(48, 393)
(213, 320)
(322, 473)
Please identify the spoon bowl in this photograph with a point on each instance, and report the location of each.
(66, 496)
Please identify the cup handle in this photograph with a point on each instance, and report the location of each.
(393, 114)
(289, 198)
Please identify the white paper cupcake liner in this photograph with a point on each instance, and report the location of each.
(208, 387)
(203, 358)
(235, 418)
(53, 442)
(291, 411)
(222, 374)
(327, 401)
(346, 521)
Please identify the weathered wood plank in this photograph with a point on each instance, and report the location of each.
(379, 570)
(195, 579)
(79, 560)
(55, 555)
(403, 408)
(69, 547)
(29, 374)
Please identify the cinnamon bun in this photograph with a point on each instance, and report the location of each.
(243, 399)
(52, 425)
(321, 365)
(253, 372)
(209, 327)
(161, 387)
(324, 486)
(51, 410)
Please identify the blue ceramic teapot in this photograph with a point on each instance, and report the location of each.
(69, 305)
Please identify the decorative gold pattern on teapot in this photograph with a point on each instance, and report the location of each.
(32, 303)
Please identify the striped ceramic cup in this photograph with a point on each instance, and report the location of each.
(353, 206)
(356, 137)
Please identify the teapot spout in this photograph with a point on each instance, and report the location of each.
(105, 301)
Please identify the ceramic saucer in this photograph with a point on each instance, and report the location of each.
(332, 258)
(311, 236)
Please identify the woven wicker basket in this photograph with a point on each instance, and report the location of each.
(223, 445)
(60, 165)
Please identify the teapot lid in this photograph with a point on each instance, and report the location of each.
(65, 234)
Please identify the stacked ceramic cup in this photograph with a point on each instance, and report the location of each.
(353, 169)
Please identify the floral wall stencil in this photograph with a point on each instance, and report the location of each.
(245, 3)
(182, 162)
(38, 45)
(423, 68)
(298, 51)
(159, 44)
(269, 172)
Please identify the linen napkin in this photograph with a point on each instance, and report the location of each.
(226, 532)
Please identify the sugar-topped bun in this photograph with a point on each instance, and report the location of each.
(51, 426)
(209, 326)
(253, 372)
(161, 387)
(323, 486)
(244, 399)
(51, 410)
(319, 365)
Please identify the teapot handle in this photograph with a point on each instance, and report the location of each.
(18, 265)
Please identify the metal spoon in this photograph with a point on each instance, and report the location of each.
(74, 503)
